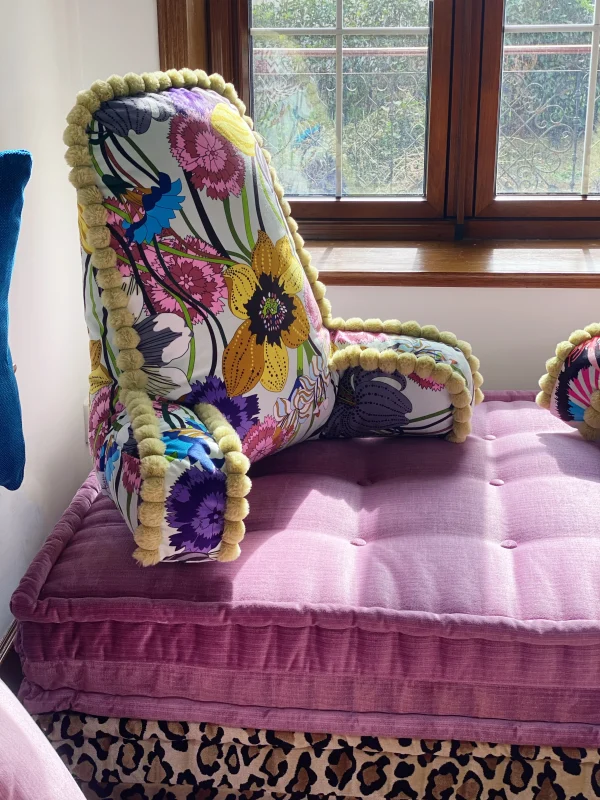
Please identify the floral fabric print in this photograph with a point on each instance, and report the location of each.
(577, 381)
(222, 308)
(377, 404)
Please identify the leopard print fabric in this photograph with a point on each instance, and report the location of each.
(134, 759)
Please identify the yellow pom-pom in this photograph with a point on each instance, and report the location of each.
(104, 258)
(136, 379)
(455, 383)
(593, 329)
(130, 359)
(151, 447)
(461, 430)
(462, 414)
(373, 325)
(462, 399)
(392, 327)
(147, 558)
(79, 115)
(203, 79)
(448, 338)
(595, 400)
(236, 463)
(114, 298)
(151, 82)
(228, 552)
(564, 350)
(230, 444)
(318, 290)
(154, 467)
(118, 85)
(176, 77)
(146, 536)
(151, 514)
(554, 366)
(547, 383)
(478, 380)
(592, 417)
(387, 361)
(190, 78)
(353, 353)
(98, 236)
(312, 274)
(75, 135)
(109, 279)
(135, 83)
(121, 318)
(236, 509)
(479, 397)
(103, 90)
(411, 328)
(126, 338)
(89, 195)
(465, 347)
(588, 433)
(474, 363)
(424, 366)
(406, 363)
(233, 531)
(430, 332)
(89, 99)
(354, 324)
(369, 359)
(441, 373)
(217, 83)
(238, 485)
(579, 337)
(82, 176)
(153, 490)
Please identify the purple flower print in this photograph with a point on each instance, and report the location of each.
(195, 508)
(241, 412)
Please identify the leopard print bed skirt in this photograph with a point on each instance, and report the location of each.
(132, 759)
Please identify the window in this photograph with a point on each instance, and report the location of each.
(340, 92)
(415, 118)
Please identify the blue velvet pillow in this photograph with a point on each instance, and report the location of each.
(15, 169)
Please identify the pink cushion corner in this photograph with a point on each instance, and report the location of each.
(474, 596)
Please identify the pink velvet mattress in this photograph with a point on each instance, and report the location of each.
(398, 587)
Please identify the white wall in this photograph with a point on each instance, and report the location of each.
(49, 49)
(513, 331)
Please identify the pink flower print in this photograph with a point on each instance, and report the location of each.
(262, 439)
(130, 475)
(357, 337)
(98, 421)
(201, 280)
(211, 160)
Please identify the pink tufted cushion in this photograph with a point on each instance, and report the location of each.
(395, 587)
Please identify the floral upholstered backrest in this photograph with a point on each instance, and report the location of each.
(221, 303)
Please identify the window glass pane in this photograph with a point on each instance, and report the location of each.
(594, 187)
(293, 13)
(542, 113)
(385, 115)
(548, 12)
(294, 109)
(386, 13)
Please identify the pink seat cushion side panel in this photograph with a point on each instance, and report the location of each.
(394, 577)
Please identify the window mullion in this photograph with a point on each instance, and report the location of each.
(339, 94)
(591, 102)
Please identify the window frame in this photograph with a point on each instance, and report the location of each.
(466, 73)
(487, 203)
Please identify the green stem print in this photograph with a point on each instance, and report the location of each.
(203, 257)
(117, 371)
(142, 155)
(300, 370)
(227, 207)
(247, 217)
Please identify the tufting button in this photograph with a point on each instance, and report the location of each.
(490, 437)
(497, 482)
(509, 544)
(358, 542)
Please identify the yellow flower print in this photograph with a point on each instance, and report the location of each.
(83, 229)
(99, 376)
(226, 121)
(265, 297)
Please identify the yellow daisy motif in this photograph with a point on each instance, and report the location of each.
(265, 297)
(99, 376)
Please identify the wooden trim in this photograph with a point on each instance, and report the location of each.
(229, 42)
(369, 230)
(489, 103)
(439, 104)
(544, 207)
(350, 208)
(562, 264)
(532, 229)
(182, 34)
(8, 640)
(466, 65)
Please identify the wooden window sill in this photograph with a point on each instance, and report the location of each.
(523, 264)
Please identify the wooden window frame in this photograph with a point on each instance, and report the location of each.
(487, 204)
(466, 69)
